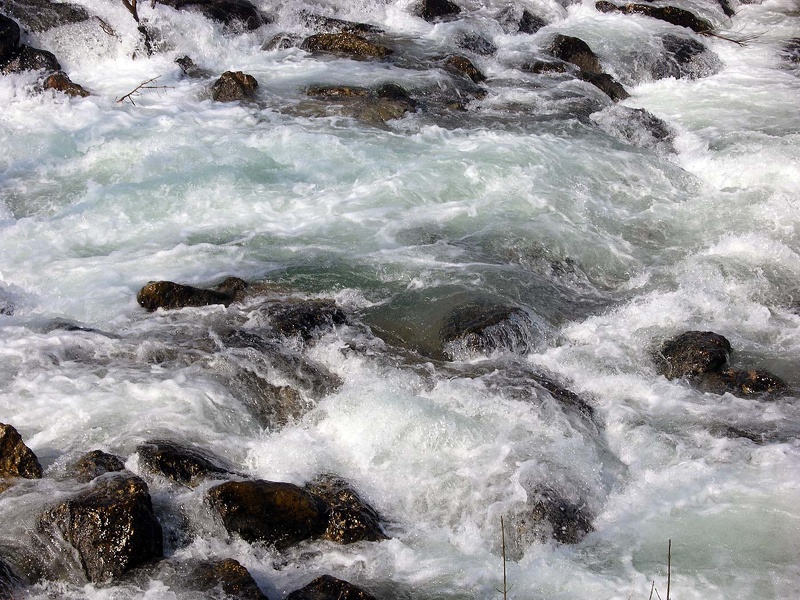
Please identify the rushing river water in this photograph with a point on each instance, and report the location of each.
(535, 192)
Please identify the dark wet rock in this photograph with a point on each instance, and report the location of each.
(306, 319)
(16, 459)
(530, 23)
(41, 15)
(512, 20)
(548, 516)
(375, 106)
(31, 59)
(693, 353)
(744, 383)
(431, 10)
(233, 86)
(94, 464)
(184, 465)
(544, 67)
(670, 14)
(395, 93)
(463, 66)
(606, 84)
(190, 69)
(324, 24)
(336, 92)
(345, 44)
(349, 518)
(733, 432)
(108, 529)
(276, 513)
(482, 329)
(475, 42)
(227, 575)
(169, 295)
(9, 38)
(327, 587)
(576, 51)
(685, 58)
(726, 7)
(61, 83)
(9, 581)
(235, 13)
(282, 41)
(791, 51)
(635, 126)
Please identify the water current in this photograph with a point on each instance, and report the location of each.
(534, 191)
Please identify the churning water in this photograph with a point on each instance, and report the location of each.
(538, 193)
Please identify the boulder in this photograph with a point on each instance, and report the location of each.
(576, 51)
(236, 13)
(350, 519)
(345, 44)
(475, 329)
(227, 575)
(323, 24)
(308, 319)
(16, 459)
(684, 58)
(743, 383)
(280, 514)
(475, 42)
(9, 39)
(169, 295)
(41, 15)
(61, 83)
(108, 529)
(670, 14)
(327, 587)
(187, 466)
(606, 84)
(693, 353)
(233, 86)
(30, 59)
(463, 66)
(432, 10)
(635, 126)
(94, 464)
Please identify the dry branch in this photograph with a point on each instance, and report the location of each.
(137, 91)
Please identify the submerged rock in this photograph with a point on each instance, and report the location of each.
(16, 459)
(606, 84)
(226, 574)
(432, 10)
(41, 15)
(94, 464)
(230, 12)
(748, 383)
(549, 516)
(9, 581)
(325, 24)
(350, 519)
(307, 319)
(169, 295)
(693, 353)
(233, 86)
(463, 66)
(327, 587)
(282, 41)
(475, 42)
(543, 67)
(61, 83)
(347, 44)
(480, 329)
(635, 126)
(108, 529)
(512, 20)
(280, 514)
(576, 51)
(187, 466)
(670, 14)
(791, 51)
(684, 58)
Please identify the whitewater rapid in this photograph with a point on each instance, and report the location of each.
(526, 198)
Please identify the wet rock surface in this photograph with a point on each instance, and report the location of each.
(182, 464)
(324, 24)
(433, 10)
(227, 575)
(234, 86)
(41, 15)
(576, 51)
(743, 383)
(9, 581)
(671, 14)
(169, 295)
(9, 38)
(30, 59)
(307, 319)
(236, 13)
(550, 516)
(481, 329)
(605, 83)
(462, 65)
(94, 464)
(693, 353)
(16, 459)
(61, 83)
(327, 587)
(350, 519)
(345, 44)
(108, 529)
(635, 126)
(684, 58)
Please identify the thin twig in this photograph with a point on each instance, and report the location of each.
(669, 565)
(142, 86)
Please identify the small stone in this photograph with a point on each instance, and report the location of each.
(463, 66)
(61, 83)
(233, 86)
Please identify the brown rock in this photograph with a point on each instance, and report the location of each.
(576, 51)
(605, 83)
(277, 513)
(61, 83)
(463, 65)
(347, 44)
(109, 529)
(670, 14)
(187, 466)
(306, 319)
(233, 86)
(350, 519)
(169, 295)
(330, 588)
(93, 464)
(31, 59)
(692, 353)
(227, 574)
(16, 459)
(747, 383)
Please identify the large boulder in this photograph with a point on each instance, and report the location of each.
(16, 459)
(236, 13)
(280, 514)
(187, 466)
(433, 10)
(475, 329)
(327, 587)
(169, 295)
(693, 353)
(41, 15)
(234, 86)
(94, 464)
(576, 51)
(350, 519)
(345, 44)
(108, 529)
(670, 14)
(684, 58)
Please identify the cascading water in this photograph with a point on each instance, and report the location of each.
(497, 262)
